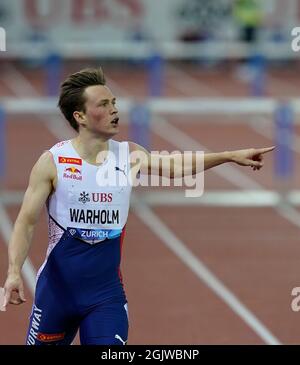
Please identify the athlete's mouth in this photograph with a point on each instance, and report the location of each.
(115, 121)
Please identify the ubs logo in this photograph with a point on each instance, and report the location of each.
(95, 197)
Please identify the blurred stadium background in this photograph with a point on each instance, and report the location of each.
(207, 75)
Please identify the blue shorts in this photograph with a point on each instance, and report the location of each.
(80, 287)
(106, 324)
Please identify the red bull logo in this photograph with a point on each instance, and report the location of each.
(72, 173)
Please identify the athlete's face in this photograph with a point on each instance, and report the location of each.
(101, 114)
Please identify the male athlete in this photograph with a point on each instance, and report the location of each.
(79, 286)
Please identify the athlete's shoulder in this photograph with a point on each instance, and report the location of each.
(44, 168)
(45, 160)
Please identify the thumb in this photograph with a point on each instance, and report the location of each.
(21, 293)
(253, 163)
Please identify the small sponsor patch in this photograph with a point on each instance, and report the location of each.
(50, 337)
(71, 160)
(93, 236)
(72, 173)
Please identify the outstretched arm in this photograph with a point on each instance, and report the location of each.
(41, 182)
(249, 157)
(191, 163)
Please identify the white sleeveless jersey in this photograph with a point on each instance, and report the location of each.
(90, 202)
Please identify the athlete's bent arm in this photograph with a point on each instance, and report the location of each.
(190, 163)
(41, 183)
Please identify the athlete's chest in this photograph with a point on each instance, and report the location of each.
(107, 184)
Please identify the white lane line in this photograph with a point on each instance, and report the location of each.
(18, 82)
(154, 223)
(187, 84)
(6, 228)
(289, 213)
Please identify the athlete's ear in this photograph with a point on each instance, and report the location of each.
(80, 118)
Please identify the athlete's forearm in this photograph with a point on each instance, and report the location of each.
(195, 162)
(19, 246)
(215, 159)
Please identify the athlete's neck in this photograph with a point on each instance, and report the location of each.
(88, 147)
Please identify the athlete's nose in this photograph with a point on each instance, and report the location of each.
(114, 110)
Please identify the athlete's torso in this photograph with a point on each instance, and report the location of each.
(91, 201)
(87, 215)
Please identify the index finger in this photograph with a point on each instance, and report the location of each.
(265, 150)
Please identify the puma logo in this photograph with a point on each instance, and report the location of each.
(118, 169)
(120, 339)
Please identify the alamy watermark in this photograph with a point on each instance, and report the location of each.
(295, 304)
(157, 168)
(296, 40)
(2, 40)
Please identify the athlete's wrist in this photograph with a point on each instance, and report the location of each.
(228, 156)
(14, 271)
